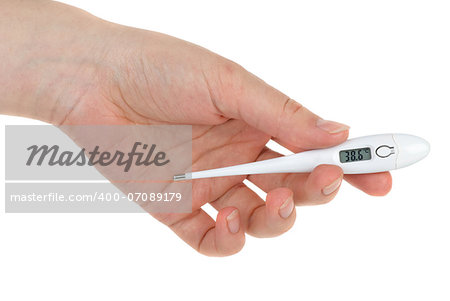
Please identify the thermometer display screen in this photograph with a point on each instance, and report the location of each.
(353, 155)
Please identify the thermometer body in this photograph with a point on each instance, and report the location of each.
(369, 154)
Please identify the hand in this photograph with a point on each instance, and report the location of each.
(77, 69)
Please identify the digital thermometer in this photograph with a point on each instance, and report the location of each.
(361, 155)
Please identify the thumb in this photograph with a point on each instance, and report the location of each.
(244, 96)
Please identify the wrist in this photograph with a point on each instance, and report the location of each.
(50, 59)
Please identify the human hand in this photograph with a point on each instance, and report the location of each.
(77, 69)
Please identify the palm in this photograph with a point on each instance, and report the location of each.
(134, 100)
(231, 143)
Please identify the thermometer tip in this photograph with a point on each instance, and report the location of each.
(181, 177)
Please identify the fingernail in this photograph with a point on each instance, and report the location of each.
(233, 221)
(287, 208)
(332, 187)
(331, 127)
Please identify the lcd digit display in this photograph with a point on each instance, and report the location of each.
(353, 155)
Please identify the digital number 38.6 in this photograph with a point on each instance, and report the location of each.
(352, 155)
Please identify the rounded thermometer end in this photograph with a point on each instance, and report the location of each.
(410, 149)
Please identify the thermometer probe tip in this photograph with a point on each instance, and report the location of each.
(181, 177)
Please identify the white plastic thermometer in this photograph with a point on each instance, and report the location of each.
(361, 155)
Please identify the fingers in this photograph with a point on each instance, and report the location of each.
(318, 187)
(276, 217)
(376, 184)
(222, 237)
(259, 218)
(322, 185)
(372, 184)
(309, 189)
(243, 96)
(240, 210)
(227, 237)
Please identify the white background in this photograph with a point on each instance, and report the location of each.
(379, 66)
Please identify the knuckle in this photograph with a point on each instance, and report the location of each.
(288, 110)
(291, 107)
(231, 77)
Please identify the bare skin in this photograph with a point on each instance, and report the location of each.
(64, 66)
